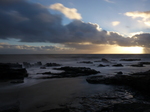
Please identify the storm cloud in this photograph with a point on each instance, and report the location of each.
(32, 22)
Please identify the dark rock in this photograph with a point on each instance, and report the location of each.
(52, 64)
(47, 73)
(26, 64)
(98, 61)
(145, 63)
(6, 72)
(130, 59)
(118, 65)
(38, 64)
(139, 81)
(104, 60)
(43, 67)
(73, 72)
(137, 65)
(10, 65)
(119, 73)
(87, 62)
(101, 65)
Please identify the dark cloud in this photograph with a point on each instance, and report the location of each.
(142, 39)
(28, 22)
(32, 22)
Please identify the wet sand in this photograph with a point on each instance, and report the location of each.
(49, 94)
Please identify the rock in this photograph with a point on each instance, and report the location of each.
(43, 67)
(104, 60)
(139, 81)
(98, 61)
(87, 62)
(101, 65)
(118, 65)
(119, 73)
(145, 63)
(10, 65)
(37, 64)
(46, 73)
(6, 72)
(52, 64)
(130, 59)
(73, 72)
(26, 64)
(137, 65)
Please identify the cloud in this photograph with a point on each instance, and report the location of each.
(6, 48)
(142, 39)
(37, 24)
(70, 13)
(109, 1)
(115, 23)
(145, 16)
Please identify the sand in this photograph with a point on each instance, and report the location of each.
(48, 94)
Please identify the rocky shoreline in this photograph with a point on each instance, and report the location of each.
(131, 93)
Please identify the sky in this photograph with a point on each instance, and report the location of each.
(74, 26)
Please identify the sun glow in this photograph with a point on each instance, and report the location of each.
(132, 50)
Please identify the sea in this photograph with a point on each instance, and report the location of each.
(37, 94)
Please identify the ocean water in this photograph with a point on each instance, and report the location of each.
(52, 92)
(73, 60)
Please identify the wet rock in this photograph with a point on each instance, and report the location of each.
(118, 65)
(145, 63)
(10, 65)
(38, 64)
(101, 65)
(130, 59)
(6, 72)
(73, 72)
(137, 65)
(52, 64)
(104, 60)
(119, 73)
(139, 81)
(98, 61)
(45, 73)
(87, 62)
(43, 67)
(26, 64)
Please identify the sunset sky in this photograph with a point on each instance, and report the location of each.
(74, 26)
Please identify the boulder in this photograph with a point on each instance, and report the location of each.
(7, 72)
